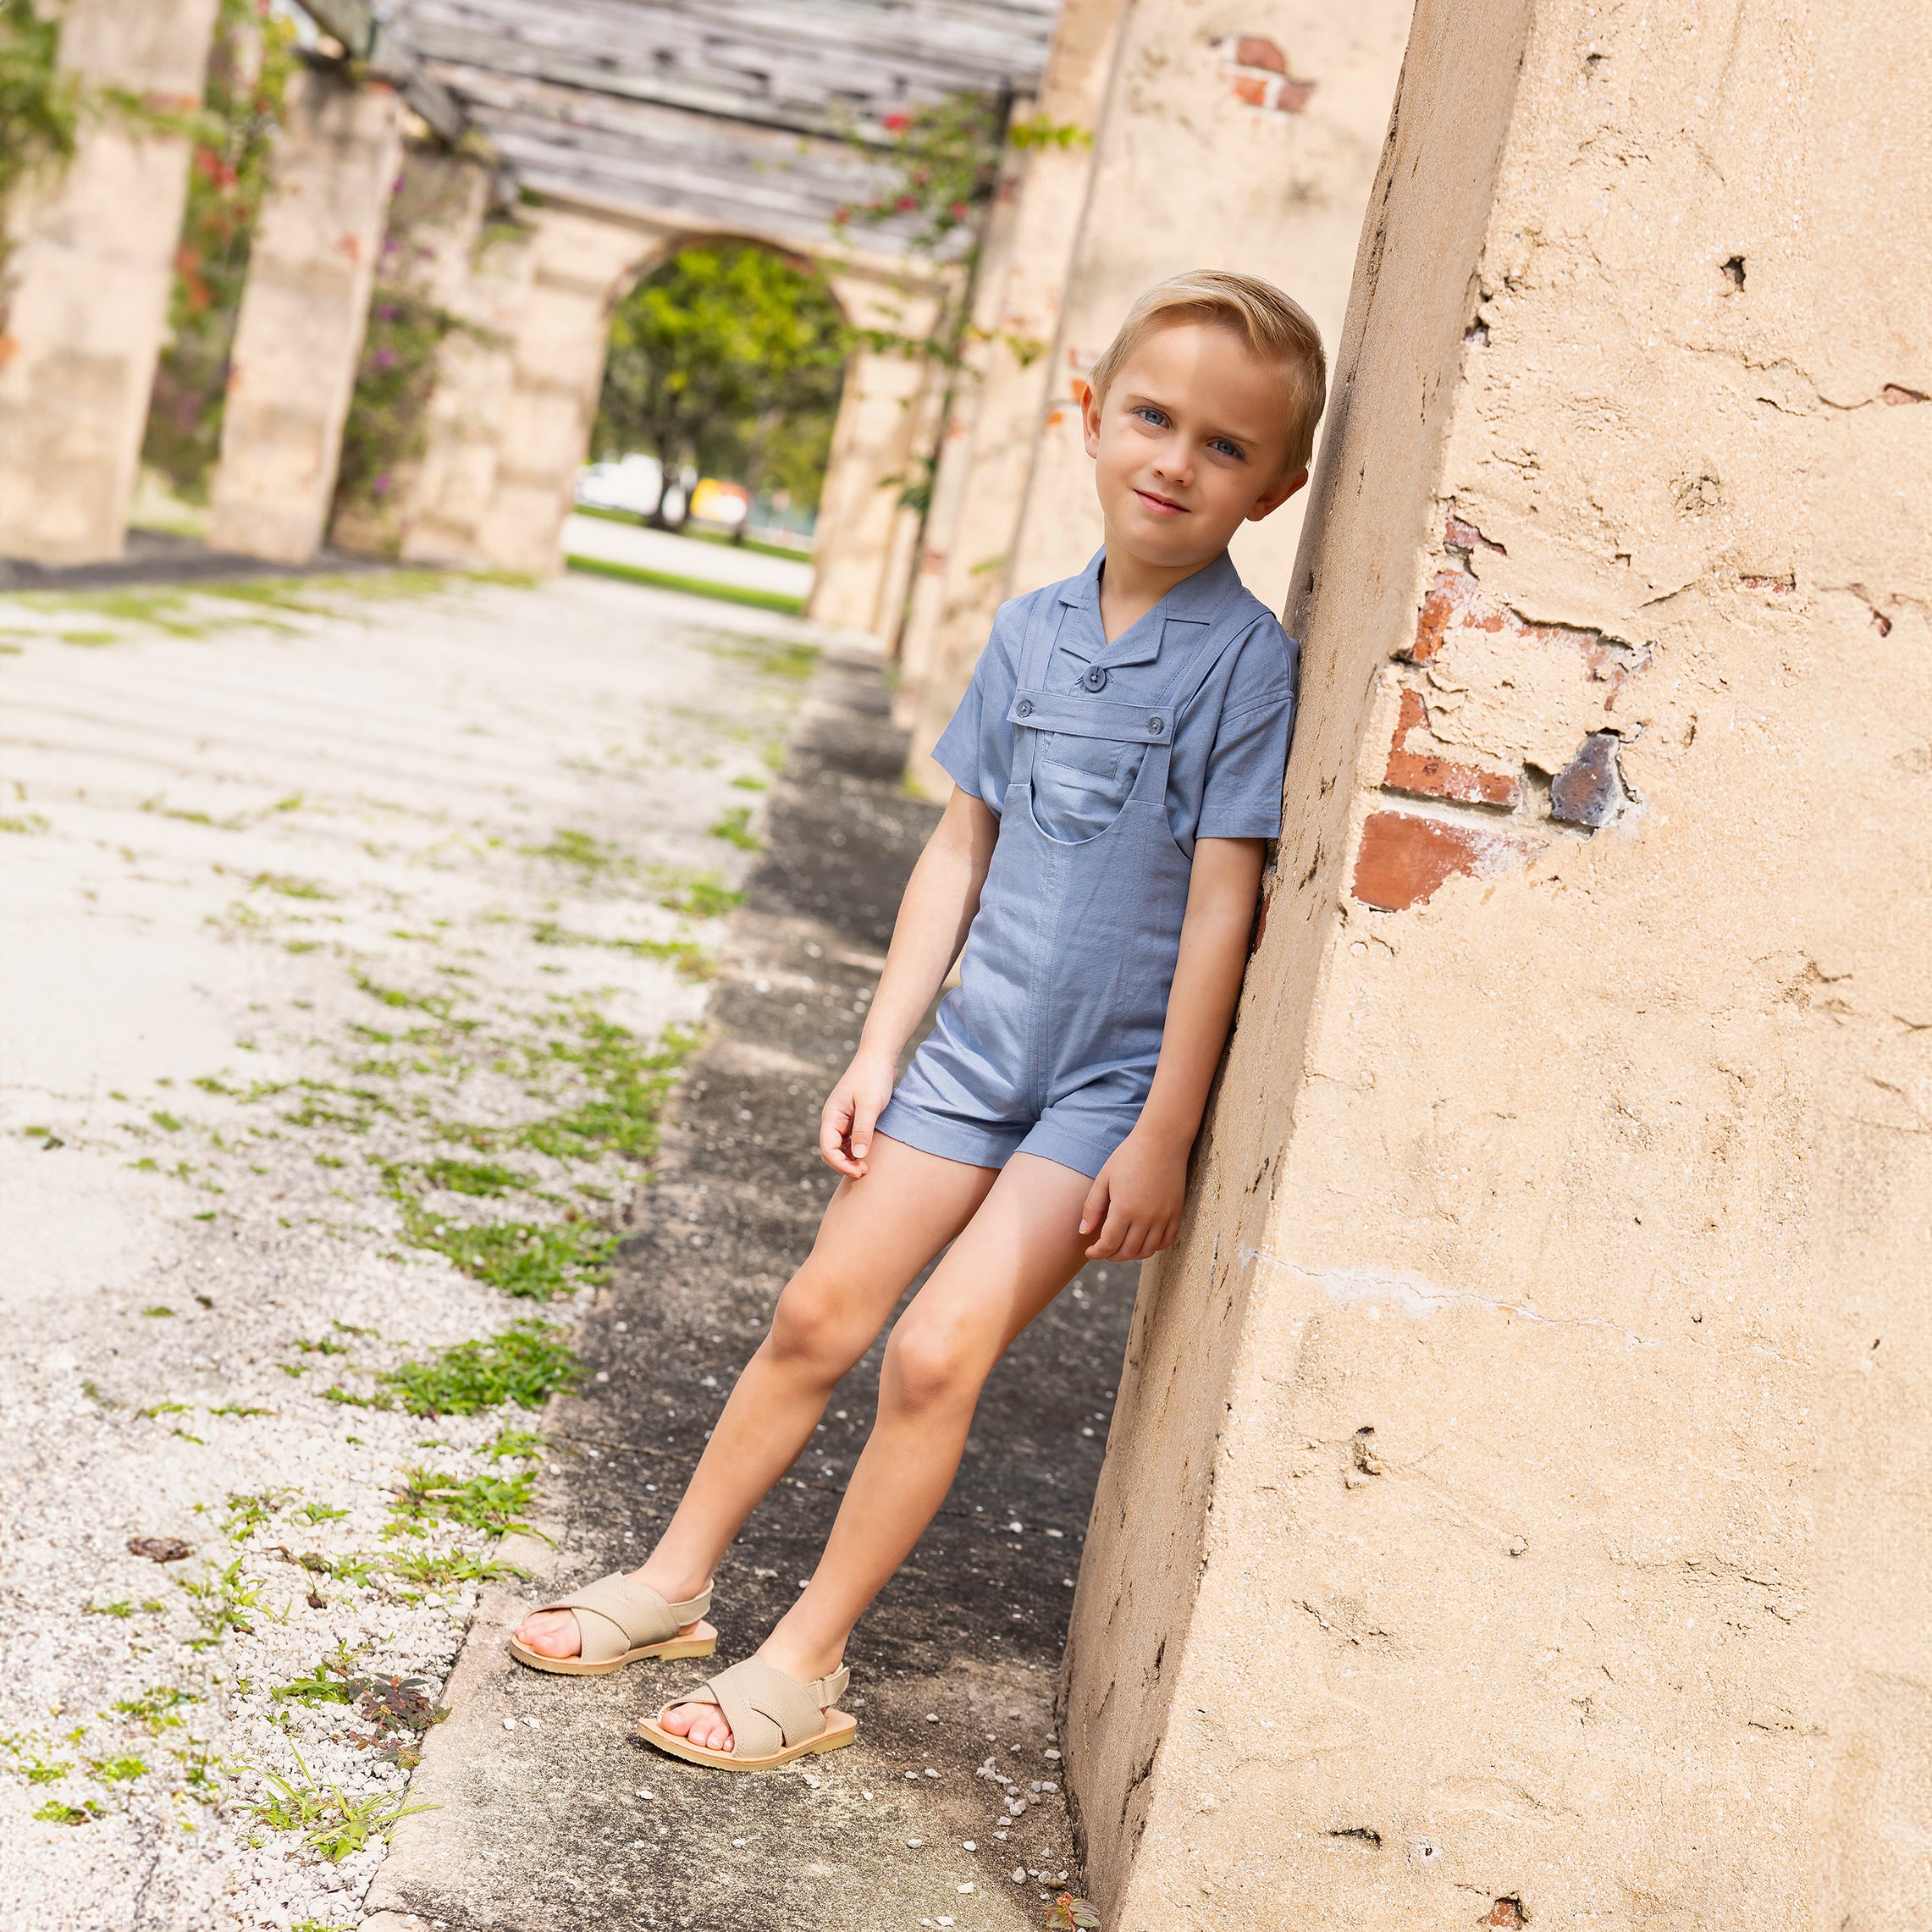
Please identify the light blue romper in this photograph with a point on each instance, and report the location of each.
(1104, 763)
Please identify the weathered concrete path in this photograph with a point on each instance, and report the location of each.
(554, 1817)
(352, 928)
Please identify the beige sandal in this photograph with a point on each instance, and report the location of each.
(774, 1718)
(620, 1621)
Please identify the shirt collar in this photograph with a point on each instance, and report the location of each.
(1193, 600)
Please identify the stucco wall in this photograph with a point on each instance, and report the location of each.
(1515, 1510)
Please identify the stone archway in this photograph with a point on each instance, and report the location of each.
(510, 422)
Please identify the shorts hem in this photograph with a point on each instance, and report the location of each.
(950, 1140)
(1050, 1140)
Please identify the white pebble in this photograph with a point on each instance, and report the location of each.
(510, 1724)
(932, 1717)
(1052, 1754)
(1019, 1875)
(811, 1780)
(1017, 1529)
(913, 1844)
(532, 1723)
(930, 1773)
(738, 1842)
(970, 1845)
(642, 1793)
(965, 1888)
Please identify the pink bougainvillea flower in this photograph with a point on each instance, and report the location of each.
(386, 358)
(906, 201)
(958, 211)
(897, 123)
(381, 486)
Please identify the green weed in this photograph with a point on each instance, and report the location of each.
(629, 1083)
(524, 1445)
(735, 829)
(523, 1364)
(289, 885)
(524, 1258)
(322, 1686)
(314, 1513)
(492, 1504)
(158, 1311)
(32, 822)
(433, 1572)
(221, 1599)
(483, 1179)
(702, 895)
(329, 1822)
(122, 1610)
(569, 846)
(53, 1812)
(154, 1710)
(123, 1770)
(691, 961)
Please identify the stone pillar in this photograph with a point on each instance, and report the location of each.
(1281, 107)
(887, 424)
(299, 335)
(952, 466)
(84, 293)
(1514, 1511)
(967, 559)
(580, 262)
(444, 247)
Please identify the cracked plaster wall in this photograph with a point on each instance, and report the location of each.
(1535, 1403)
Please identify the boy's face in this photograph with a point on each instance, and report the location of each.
(1189, 445)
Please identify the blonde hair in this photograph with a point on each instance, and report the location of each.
(1279, 330)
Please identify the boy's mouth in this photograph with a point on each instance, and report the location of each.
(1161, 505)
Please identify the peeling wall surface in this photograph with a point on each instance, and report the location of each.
(1514, 1513)
(84, 290)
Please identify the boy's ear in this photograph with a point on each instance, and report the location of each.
(1267, 503)
(1089, 405)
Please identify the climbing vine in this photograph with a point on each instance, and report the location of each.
(249, 65)
(40, 108)
(387, 422)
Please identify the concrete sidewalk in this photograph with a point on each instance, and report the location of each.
(552, 1816)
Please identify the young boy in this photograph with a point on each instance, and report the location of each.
(1118, 764)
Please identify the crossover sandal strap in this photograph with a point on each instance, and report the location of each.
(616, 1615)
(766, 1710)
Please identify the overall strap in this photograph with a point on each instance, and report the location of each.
(1227, 625)
(1036, 652)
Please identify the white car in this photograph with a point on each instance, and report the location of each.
(633, 483)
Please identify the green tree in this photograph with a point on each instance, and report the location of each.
(730, 358)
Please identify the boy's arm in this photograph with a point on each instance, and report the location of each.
(941, 898)
(1135, 1202)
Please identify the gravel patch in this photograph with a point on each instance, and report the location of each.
(357, 930)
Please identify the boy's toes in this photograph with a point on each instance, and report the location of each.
(704, 1725)
(549, 1633)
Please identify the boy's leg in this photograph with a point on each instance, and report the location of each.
(877, 1234)
(1021, 1248)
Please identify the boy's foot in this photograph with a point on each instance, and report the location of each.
(706, 1725)
(554, 1633)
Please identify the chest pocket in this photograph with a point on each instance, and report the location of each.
(1086, 759)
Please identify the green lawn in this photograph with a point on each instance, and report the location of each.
(636, 522)
(696, 586)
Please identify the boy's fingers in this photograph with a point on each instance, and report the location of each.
(1093, 1209)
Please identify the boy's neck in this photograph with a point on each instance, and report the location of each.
(1130, 586)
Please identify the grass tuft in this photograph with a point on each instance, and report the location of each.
(523, 1363)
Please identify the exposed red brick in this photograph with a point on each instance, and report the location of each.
(1404, 857)
(1250, 50)
(1432, 777)
(1882, 623)
(1460, 535)
(1506, 1912)
(1450, 598)
(1251, 88)
(1292, 96)
(1783, 586)
(1896, 393)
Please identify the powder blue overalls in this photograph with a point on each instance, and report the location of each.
(1050, 1040)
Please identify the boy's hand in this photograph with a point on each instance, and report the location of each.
(852, 1108)
(1136, 1199)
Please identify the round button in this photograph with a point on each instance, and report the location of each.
(1025, 707)
(1095, 678)
(1155, 726)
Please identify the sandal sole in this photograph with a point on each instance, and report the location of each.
(834, 1738)
(576, 1667)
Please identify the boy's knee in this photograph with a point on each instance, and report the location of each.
(928, 1367)
(812, 1328)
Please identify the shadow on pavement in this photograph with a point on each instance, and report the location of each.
(543, 1822)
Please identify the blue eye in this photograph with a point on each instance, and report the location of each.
(1147, 413)
(1228, 449)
